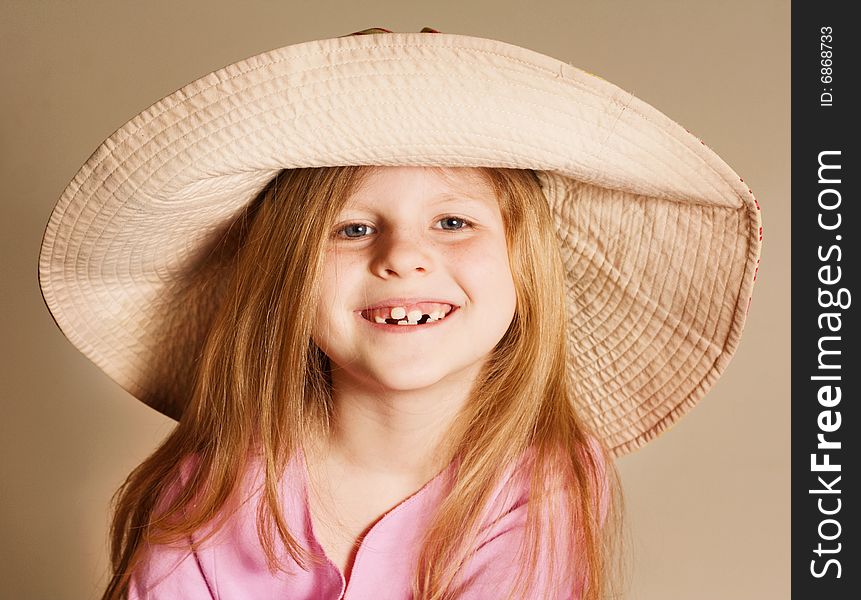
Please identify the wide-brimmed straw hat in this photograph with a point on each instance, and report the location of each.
(660, 237)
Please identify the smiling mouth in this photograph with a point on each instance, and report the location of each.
(417, 315)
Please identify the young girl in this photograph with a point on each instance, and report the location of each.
(407, 295)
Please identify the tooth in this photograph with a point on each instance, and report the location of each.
(379, 320)
(403, 322)
(399, 312)
(414, 316)
(433, 316)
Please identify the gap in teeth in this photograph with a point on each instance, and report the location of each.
(417, 316)
(420, 321)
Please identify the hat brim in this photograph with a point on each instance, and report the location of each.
(662, 238)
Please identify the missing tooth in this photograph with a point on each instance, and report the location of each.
(422, 321)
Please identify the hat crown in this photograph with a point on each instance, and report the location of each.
(660, 238)
(384, 30)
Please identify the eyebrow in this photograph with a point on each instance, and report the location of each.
(447, 197)
(443, 198)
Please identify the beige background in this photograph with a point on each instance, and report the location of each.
(708, 501)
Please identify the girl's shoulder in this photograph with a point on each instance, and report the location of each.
(504, 534)
(195, 481)
(518, 488)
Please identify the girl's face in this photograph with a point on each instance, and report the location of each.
(415, 243)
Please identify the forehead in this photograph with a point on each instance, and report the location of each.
(423, 185)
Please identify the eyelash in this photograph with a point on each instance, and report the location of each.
(467, 224)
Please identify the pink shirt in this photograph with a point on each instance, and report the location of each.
(232, 565)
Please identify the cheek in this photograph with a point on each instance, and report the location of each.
(488, 265)
(492, 258)
(331, 280)
(334, 280)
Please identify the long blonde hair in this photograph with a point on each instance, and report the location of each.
(262, 387)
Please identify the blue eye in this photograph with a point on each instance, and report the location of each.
(354, 226)
(360, 229)
(463, 222)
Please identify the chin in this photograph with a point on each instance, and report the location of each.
(417, 379)
(409, 380)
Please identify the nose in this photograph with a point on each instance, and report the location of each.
(401, 254)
